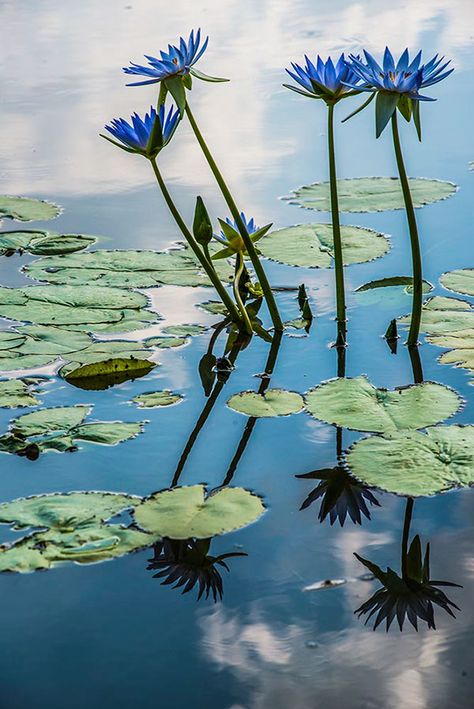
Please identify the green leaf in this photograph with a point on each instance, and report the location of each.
(371, 194)
(392, 281)
(177, 89)
(459, 281)
(416, 464)
(442, 315)
(22, 557)
(215, 307)
(405, 106)
(156, 399)
(205, 77)
(109, 433)
(417, 118)
(15, 393)
(61, 418)
(357, 404)
(102, 374)
(164, 343)
(311, 245)
(24, 209)
(185, 330)
(184, 512)
(92, 544)
(385, 106)
(274, 402)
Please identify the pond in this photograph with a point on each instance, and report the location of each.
(274, 478)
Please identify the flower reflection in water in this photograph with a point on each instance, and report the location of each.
(186, 563)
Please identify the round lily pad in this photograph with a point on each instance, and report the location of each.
(357, 404)
(156, 399)
(311, 245)
(459, 281)
(371, 194)
(184, 512)
(25, 209)
(274, 402)
(414, 463)
(185, 330)
(442, 315)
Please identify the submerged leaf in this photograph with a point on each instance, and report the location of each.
(414, 463)
(357, 404)
(185, 512)
(311, 245)
(371, 194)
(274, 402)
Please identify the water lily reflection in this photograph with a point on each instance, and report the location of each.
(186, 563)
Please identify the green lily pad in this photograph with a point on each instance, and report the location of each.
(125, 269)
(65, 512)
(357, 404)
(25, 209)
(16, 393)
(110, 433)
(311, 245)
(393, 281)
(441, 315)
(414, 463)
(156, 399)
(22, 557)
(459, 281)
(60, 418)
(186, 330)
(274, 402)
(371, 194)
(215, 307)
(184, 512)
(131, 366)
(43, 243)
(164, 343)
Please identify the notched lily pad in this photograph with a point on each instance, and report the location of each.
(357, 404)
(416, 464)
(459, 281)
(184, 512)
(17, 393)
(274, 402)
(157, 399)
(25, 209)
(371, 194)
(311, 245)
(43, 243)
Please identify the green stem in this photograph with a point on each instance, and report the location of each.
(415, 242)
(213, 277)
(259, 270)
(336, 231)
(239, 267)
(406, 533)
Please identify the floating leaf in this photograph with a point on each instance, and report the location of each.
(357, 404)
(393, 281)
(15, 393)
(110, 433)
(215, 307)
(25, 209)
(274, 402)
(415, 463)
(43, 243)
(155, 399)
(22, 557)
(184, 330)
(65, 512)
(184, 512)
(100, 375)
(371, 194)
(92, 544)
(460, 281)
(311, 245)
(164, 343)
(441, 315)
(125, 269)
(61, 418)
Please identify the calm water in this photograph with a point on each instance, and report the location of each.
(108, 635)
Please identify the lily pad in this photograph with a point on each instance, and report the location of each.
(164, 343)
(357, 404)
(215, 307)
(22, 557)
(460, 281)
(61, 418)
(185, 330)
(43, 243)
(393, 281)
(441, 315)
(131, 367)
(16, 393)
(311, 245)
(24, 209)
(414, 463)
(274, 402)
(125, 269)
(184, 512)
(371, 194)
(109, 433)
(156, 399)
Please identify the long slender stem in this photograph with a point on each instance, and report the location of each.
(336, 231)
(239, 267)
(213, 277)
(406, 533)
(259, 270)
(415, 242)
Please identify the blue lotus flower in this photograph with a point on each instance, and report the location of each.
(178, 60)
(324, 80)
(231, 238)
(146, 136)
(396, 85)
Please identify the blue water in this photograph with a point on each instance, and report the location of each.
(108, 635)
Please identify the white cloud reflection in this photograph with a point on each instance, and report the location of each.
(62, 79)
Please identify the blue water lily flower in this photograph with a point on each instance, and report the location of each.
(146, 136)
(397, 85)
(231, 238)
(178, 60)
(324, 79)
